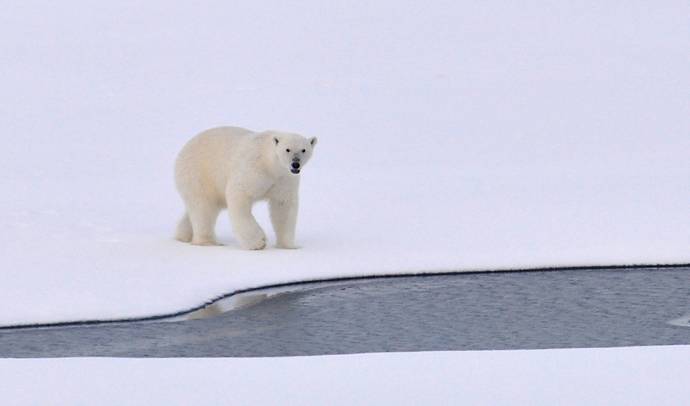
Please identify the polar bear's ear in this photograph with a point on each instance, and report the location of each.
(276, 140)
(313, 141)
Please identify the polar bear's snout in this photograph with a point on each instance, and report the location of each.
(295, 166)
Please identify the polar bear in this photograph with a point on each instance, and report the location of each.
(232, 167)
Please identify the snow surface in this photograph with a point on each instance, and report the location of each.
(453, 136)
(615, 376)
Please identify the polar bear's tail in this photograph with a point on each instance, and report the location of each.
(184, 229)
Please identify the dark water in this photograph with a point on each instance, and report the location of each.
(494, 311)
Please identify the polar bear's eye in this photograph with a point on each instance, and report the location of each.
(287, 150)
(304, 150)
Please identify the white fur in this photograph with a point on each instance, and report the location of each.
(231, 167)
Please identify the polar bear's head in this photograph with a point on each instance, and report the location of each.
(293, 150)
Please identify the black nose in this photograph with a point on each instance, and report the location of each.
(295, 165)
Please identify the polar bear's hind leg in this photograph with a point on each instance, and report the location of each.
(184, 229)
(203, 220)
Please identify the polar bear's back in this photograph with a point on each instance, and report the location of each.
(205, 162)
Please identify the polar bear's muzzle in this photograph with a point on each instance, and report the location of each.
(295, 167)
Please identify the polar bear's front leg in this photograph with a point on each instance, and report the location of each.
(284, 219)
(244, 225)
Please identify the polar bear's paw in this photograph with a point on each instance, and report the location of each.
(287, 246)
(205, 242)
(256, 244)
(254, 239)
(183, 237)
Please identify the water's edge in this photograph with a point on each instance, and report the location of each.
(243, 297)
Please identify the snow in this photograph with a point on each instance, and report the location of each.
(595, 376)
(452, 136)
